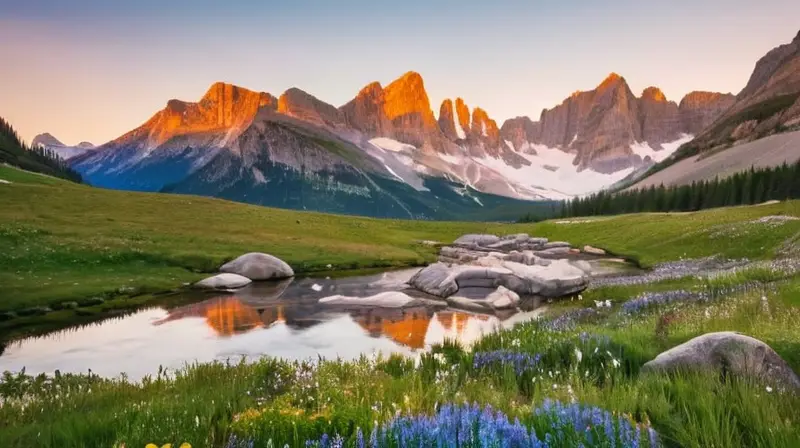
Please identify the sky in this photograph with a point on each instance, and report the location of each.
(95, 69)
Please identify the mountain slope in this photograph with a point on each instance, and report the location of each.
(769, 103)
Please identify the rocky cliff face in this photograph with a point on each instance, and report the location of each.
(303, 106)
(699, 109)
(660, 119)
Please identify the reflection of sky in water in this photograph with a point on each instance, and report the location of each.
(280, 319)
(227, 328)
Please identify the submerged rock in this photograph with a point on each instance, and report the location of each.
(389, 299)
(258, 266)
(727, 352)
(223, 281)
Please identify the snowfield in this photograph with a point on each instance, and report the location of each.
(550, 175)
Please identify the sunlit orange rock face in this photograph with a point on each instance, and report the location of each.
(401, 111)
(230, 316)
(299, 104)
(462, 113)
(447, 121)
(224, 108)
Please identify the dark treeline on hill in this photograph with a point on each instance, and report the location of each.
(749, 187)
(15, 152)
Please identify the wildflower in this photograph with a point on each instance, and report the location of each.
(615, 362)
(769, 389)
(578, 354)
(608, 304)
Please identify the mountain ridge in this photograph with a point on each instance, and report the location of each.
(386, 142)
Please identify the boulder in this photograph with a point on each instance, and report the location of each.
(727, 352)
(223, 281)
(503, 298)
(471, 240)
(593, 250)
(258, 266)
(389, 299)
(435, 280)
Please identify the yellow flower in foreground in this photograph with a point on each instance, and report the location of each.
(151, 445)
(185, 445)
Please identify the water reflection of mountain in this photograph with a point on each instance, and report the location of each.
(230, 315)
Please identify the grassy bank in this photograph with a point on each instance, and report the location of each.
(590, 360)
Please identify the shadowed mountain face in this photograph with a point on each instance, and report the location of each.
(385, 153)
(769, 103)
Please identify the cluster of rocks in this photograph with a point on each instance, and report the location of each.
(501, 270)
(477, 272)
(242, 271)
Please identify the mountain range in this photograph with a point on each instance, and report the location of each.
(386, 153)
(47, 141)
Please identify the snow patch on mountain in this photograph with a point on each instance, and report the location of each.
(643, 149)
(565, 180)
(389, 144)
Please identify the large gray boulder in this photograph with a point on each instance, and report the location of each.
(558, 278)
(223, 282)
(258, 266)
(727, 352)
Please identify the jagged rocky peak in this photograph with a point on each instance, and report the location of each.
(447, 120)
(365, 111)
(304, 106)
(660, 118)
(699, 109)
(462, 113)
(483, 126)
(407, 101)
(654, 94)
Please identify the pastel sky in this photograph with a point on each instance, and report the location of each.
(95, 69)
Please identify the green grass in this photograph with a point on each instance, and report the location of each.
(62, 242)
(288, 403)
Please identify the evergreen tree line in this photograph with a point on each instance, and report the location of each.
(16, 152)
(748, 187)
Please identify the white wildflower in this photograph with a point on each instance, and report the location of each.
(769, 389)
(578, 354)
(615, 362)
(608, 304)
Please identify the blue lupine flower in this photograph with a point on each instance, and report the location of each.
(521, 362)
(470, 425)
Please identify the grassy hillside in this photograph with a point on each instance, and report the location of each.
(14, 151)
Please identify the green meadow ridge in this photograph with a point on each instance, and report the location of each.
(62, 242)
